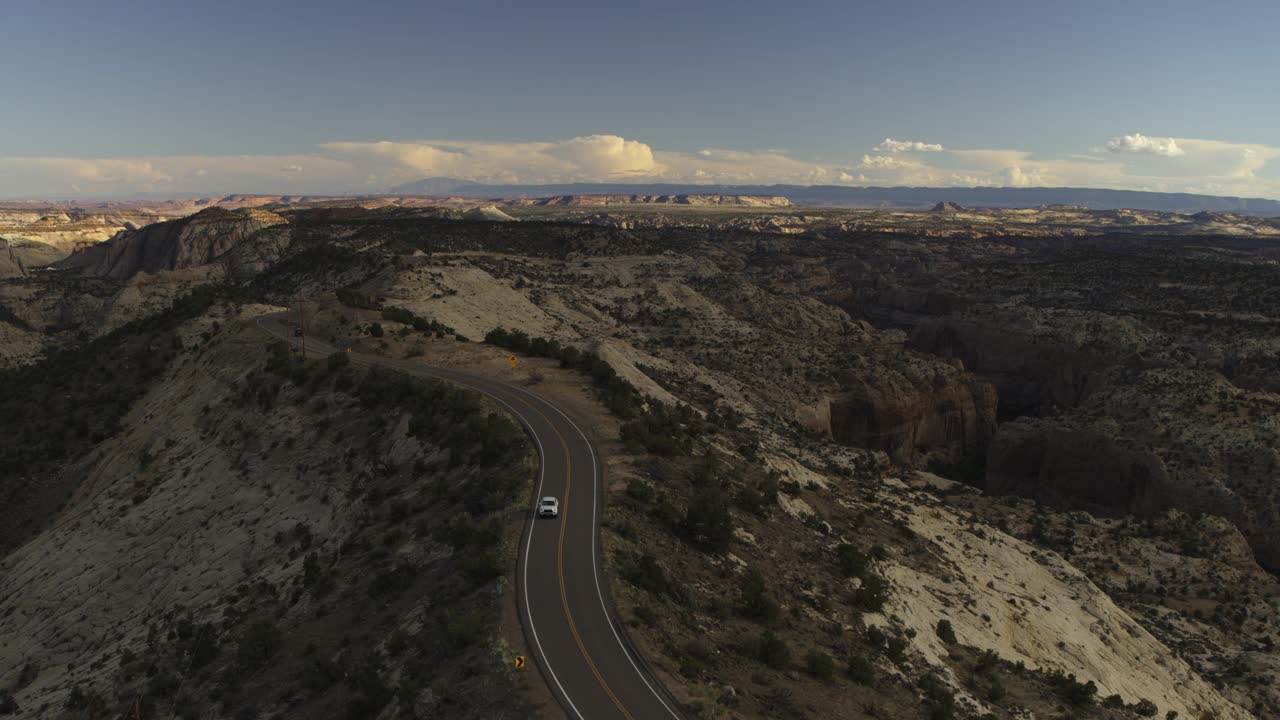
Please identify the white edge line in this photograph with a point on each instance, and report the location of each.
(595, 566)
(542, 468)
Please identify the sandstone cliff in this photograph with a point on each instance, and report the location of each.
(173, 245)
(1050, 463)
(950, 417)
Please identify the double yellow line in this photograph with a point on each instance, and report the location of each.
(564, 596)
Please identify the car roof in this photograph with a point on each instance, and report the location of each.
(548, 499)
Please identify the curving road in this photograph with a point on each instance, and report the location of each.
(566, 615)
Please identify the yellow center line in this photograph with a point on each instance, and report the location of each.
(564, 597)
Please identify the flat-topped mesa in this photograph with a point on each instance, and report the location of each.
(173, 245)
(696, 200)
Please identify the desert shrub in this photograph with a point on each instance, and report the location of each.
(987, 662)
(647, 574)
(852, 561)
(1144, 707)
(820, 665)
(938, 698)
(945, 632)
(200, 644)
(645, 614)
(707, 523)
(258, 644)
(995, 692)
(755, 500)
(872, 594)
(695, 657)
(397, 314)
(860, 670)
(352, 298)
(640, 493)
(755, 602)
(376, 330)
(773, 651)
(1072, 691)
(464, 630)
(394, 580)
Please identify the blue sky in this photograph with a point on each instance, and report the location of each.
(112, 98)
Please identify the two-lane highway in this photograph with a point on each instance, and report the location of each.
(563, 604)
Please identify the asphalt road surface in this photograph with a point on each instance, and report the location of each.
(564, 608)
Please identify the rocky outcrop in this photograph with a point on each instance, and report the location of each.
(10, 264)
(949, 419)
(488, 213)
(173, 245)
(1057, 464)
(946, 207)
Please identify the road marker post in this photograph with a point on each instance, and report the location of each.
(514, 361)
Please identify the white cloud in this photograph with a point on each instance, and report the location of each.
(371, 166)
(896, 146)
(1139, 143)
(1015, 176)
(882, 161)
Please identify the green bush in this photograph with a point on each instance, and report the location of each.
(860, 670)
(354, 299)
(1072, 691)
(872, 594)
(1144, 707)
(707, 523)
(820, 665)
(755, 602)
(639, 492)
(773, 651)
(939, 699)
(647, 574)
(945, 632)
(852, 561)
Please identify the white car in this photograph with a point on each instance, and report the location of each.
(549, 507)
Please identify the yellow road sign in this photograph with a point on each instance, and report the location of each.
(519, 662)
(513, 360)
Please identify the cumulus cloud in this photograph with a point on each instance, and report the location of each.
(1139, 143)
(1015, 176)
(590, 157)
(896, 146)
(882, 161)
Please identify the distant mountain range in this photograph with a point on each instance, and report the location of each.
(871, 197)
